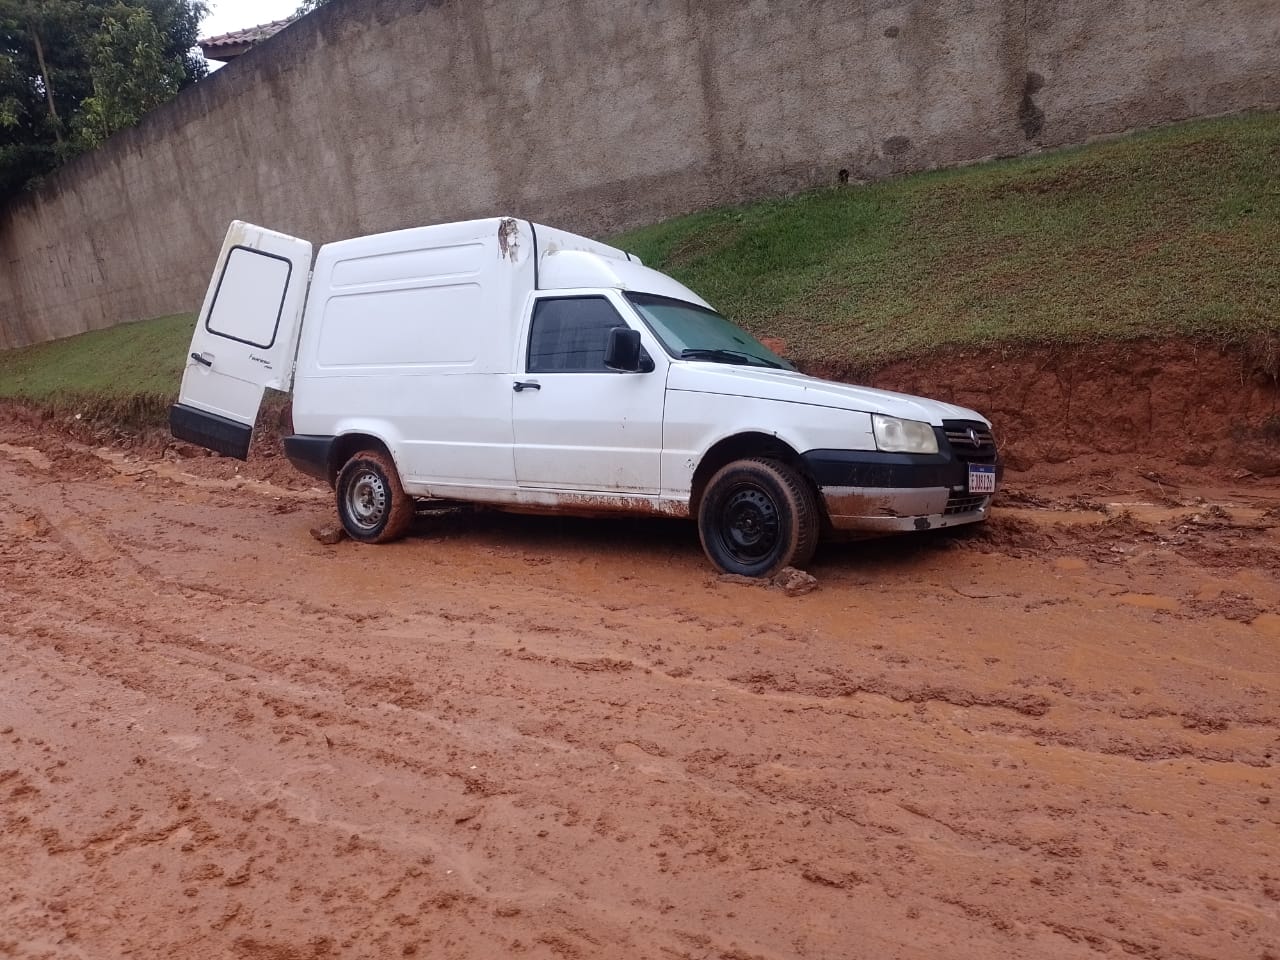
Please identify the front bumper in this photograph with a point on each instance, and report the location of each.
(873, 492)
(889, 510)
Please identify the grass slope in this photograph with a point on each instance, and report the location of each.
(128, 373)
(1175, 232)
(1167, 233)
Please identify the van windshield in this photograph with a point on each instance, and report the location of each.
(691, 332)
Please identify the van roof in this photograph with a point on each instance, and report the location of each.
(576, 269)
(512, 234)
(565, 261)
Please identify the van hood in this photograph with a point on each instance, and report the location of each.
(788, 386)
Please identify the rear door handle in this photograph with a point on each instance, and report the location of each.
(526, 385)
(201, 358)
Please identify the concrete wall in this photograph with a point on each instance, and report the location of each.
(596, 115)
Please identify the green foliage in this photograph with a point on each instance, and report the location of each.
(130, 74)
(1171, 232)
(75, 71)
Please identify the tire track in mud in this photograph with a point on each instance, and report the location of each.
(100, 614)
(798, 798)
(403, 762)
(712, 772)
(454, 795)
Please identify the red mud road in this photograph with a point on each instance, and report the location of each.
(523, 737)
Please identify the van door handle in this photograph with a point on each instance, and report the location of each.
(201, 358)
(526, 385)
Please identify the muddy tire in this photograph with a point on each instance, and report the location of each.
(758, 516)
(372, 504)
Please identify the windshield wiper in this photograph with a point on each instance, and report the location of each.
(726, 356)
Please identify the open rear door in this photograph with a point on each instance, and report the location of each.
(245, 339)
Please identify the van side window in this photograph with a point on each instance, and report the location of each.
(569, 335)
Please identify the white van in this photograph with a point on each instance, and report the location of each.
(506, 363)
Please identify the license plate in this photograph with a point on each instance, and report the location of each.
(982, 478)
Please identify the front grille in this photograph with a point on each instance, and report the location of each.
(965, 503)
(969, 439)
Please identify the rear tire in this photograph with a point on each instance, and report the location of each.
(758, 516)
(372, 504)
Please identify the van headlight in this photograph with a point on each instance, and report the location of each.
(894, 435)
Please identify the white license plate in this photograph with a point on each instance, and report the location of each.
(982, 478)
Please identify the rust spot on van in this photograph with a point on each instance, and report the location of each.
(509, 238)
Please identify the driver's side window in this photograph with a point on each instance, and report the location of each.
(570, 334)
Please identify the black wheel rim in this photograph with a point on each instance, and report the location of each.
(749, 524)
(366, 500)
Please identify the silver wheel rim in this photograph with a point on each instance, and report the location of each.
(367, 500)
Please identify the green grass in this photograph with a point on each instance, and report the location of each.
(128, 373)
(1171, 233)
(1175, 232)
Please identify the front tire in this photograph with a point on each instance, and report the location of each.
(372, 504)
(758, 516)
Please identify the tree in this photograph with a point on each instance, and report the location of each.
(130, 75)
(73, 72)
(35, 80)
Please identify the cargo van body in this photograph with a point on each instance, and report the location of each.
(506, 363)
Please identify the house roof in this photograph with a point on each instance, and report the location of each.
(228, 46)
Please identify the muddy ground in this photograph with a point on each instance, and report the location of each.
(526, 737)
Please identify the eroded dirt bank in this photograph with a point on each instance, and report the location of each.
(529, 737)
(1188, 401)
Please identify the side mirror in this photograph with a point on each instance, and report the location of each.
(623, 350)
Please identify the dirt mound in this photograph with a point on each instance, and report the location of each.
(43, 428)
(1010, 536)
(1190, 402)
